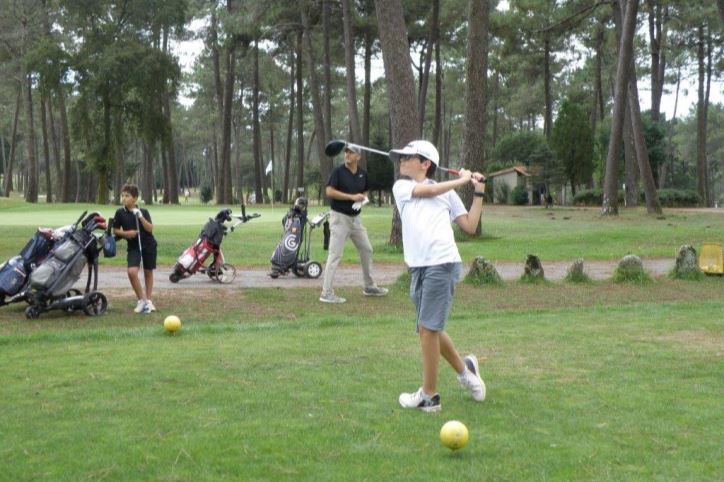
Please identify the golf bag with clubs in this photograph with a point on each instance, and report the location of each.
(51, 284)
(293, 251)
(15, 272)
(208, 244)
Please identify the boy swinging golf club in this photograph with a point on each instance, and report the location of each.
(427, 209)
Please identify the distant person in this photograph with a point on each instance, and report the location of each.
(347, 188)
(549, 201)
(133, 223)
(427, 209)
(186, 195)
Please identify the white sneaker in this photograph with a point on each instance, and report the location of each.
(375, 291)
(331, 299)
(140, 306)
(149, 306)
(471, 380)
(419, 401)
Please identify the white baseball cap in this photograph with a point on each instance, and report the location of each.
(421, 148)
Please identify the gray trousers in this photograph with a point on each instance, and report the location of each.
(342, 227)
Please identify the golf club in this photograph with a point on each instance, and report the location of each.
(336, 146)
(138, 236)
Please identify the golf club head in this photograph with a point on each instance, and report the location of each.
(334, 147)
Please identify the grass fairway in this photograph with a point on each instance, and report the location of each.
(589, 382)
(510, 233)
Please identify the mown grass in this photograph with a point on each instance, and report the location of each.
(509, 233)
(597, 381)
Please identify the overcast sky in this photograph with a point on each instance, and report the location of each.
(188, 51)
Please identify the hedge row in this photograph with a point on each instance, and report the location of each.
(667, 197)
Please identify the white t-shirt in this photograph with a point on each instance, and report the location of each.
(426, 224)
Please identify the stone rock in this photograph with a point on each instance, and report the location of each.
(482, 272)
(533, 269)
(686, 260)
(575, 272)
(630, 268)
(687, 266)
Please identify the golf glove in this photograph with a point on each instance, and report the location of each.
(137, 213)
(358, 205)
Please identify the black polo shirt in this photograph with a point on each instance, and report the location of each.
(126, 220)
(343, 180)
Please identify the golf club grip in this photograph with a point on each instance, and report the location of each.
(451, 171)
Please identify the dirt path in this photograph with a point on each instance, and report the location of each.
(351, 275)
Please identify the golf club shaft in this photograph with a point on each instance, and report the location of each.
(383, 153)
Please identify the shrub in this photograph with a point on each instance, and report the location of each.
(502, 193)
(519, 196)
(676, 197)
(206, 193)
(593, 197)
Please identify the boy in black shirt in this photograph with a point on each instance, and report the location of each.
(133, 224)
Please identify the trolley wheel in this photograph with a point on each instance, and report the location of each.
(73, 292)
(298, 270)
(225, 273)
(32, 312)
(174, 277)
(313, 270)
(95, 303)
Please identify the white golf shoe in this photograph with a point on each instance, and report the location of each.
(471, 380)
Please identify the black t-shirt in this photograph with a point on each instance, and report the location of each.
(343, 180)
(126, 220)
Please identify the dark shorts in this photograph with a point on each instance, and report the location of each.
(431, 290)
(149, 257)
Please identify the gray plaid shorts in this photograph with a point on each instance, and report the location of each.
(432, 289)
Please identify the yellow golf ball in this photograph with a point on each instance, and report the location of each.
(172, 323)
(454, 435)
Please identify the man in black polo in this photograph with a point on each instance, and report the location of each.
(347, 189)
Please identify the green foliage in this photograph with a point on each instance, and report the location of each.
(592, 197)
(502, 193)
(681, 198)
(572, 141)
(483, 273)
(519, 196)
(206, 193)
(628, 271)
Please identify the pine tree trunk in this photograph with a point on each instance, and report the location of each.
(300, 115)
(548, 122)
(425, 78)
(610, 185)
(437, 125)
(325, 163)
(258, 164)
(46, 149)
(642, 154)
(8, 174)
(327, 73)
(404, 117)
(31, 189)
(290, 130)
(67, 191)
(631, 192)
(368, 89)
(701, 167)
(349, 53)
(475, 93)
(55, 143)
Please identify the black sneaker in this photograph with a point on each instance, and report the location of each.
(418, 401)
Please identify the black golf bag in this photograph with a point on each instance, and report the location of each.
(292, 252)
(51, 284)
(15, 272)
